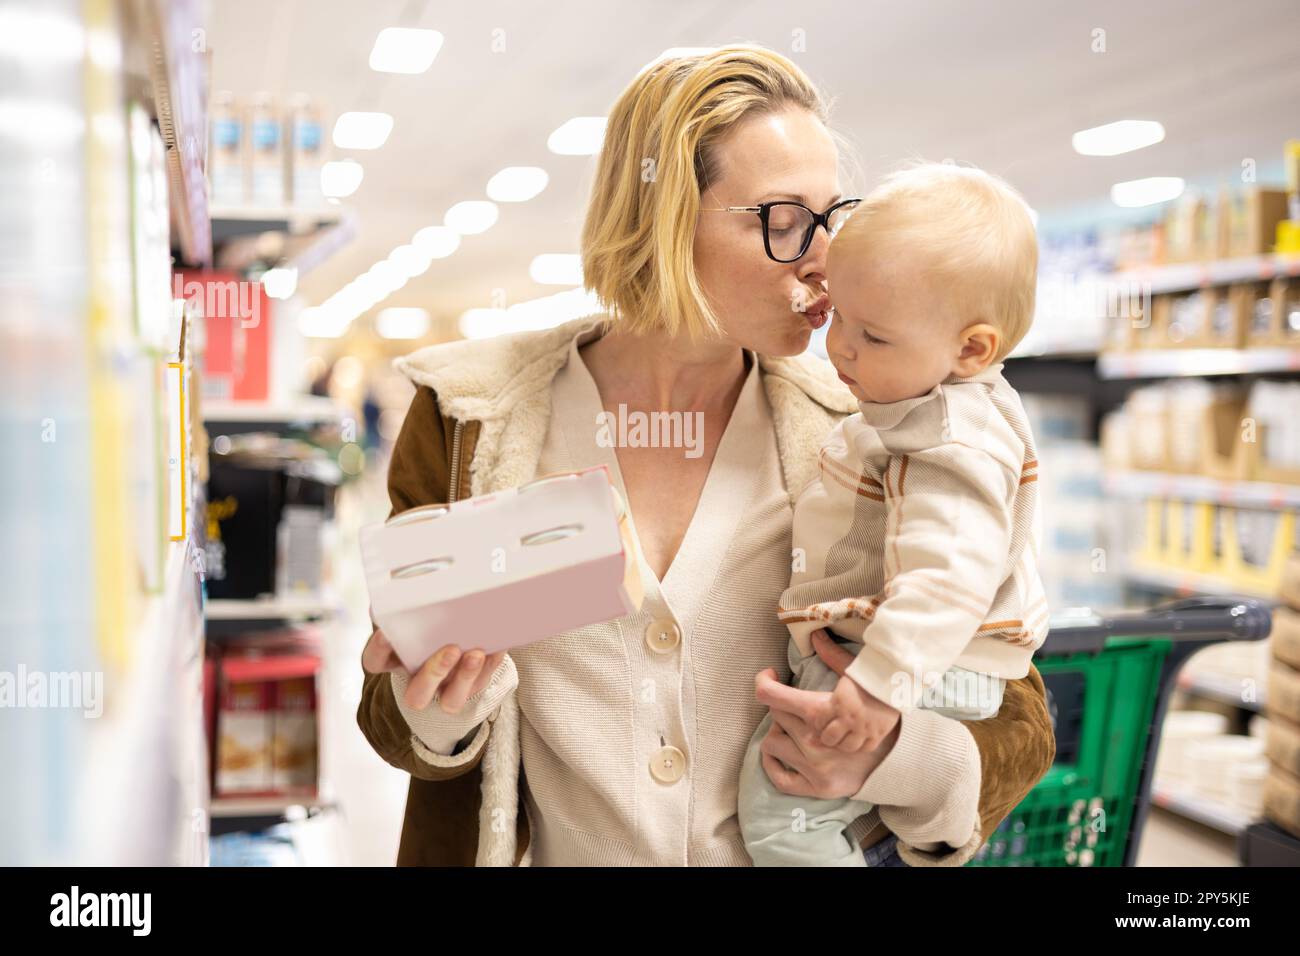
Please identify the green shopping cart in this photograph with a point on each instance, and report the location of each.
(1109, 681)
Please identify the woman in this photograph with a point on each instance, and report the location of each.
(630, 734)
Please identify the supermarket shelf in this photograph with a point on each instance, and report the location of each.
(1152, 484)
(304, 409)
(230, 222)
(154, 726)
(1189, 582)
(1220, 687)
(311, 235)
(276, 608)
(178, 77)
(1220, 816)
(1172, 363)
(1189, 276)
(228, 807)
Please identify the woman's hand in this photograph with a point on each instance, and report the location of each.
(453, 675)
(795, 759)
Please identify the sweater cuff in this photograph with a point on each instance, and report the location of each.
(439, 731)
(928, 789)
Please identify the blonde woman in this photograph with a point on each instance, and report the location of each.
(621, 744)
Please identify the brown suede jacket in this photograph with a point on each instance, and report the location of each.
(442, 806)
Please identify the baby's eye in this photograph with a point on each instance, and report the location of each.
(871, 339)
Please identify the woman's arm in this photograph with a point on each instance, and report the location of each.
(419, 473)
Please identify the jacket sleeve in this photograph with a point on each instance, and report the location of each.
(418, 474)
(940, 767)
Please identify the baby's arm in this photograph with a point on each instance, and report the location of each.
(946, 547)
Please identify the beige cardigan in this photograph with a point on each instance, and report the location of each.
(506, 383)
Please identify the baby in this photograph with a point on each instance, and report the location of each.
(916, 545)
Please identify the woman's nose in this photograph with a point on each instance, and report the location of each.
(812, 264)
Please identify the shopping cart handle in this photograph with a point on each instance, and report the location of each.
(1205, 620)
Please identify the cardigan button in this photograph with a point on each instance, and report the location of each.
(668, 765)
(663, 635)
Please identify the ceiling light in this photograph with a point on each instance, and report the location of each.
(438, 241)
(386, 276)
(544, 312)
(517, 183)
(471, 217)
(404, 50)
(580, 136)
(402, 323)
(362, 130)
(555, 268)
(482, 323)
(1146, 192)
(322, 322)
(1115, 138)
(340, 178)
(280, 283)
(410, 261)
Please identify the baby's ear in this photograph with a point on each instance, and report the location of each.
(979, 345)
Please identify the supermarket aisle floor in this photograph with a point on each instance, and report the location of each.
(369, 794)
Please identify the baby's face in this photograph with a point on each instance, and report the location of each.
(892, 336)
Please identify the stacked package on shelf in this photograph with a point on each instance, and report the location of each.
(262, 713)
(264, 154)
(1282, 704)
(1079, 527)
(1197, 429)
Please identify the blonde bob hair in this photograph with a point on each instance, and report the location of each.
(638, 239)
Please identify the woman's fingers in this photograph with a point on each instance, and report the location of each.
(430, 675)
(378, 656)
(456, 689)
(485, 673)
(832, 655)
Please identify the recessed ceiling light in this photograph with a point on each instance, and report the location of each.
(386, 277)
(555, 268)
(340, 178)
(402, 323)
(280, 283)
(410, 261)
(1146, 192)
(517, 183)
(471, 217)
(580, 136)
(362, 130)
(438, 241)
(322, 322)
(482, 323)
(404, 50)
(1112, 139)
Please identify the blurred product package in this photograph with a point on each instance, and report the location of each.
(510, 568)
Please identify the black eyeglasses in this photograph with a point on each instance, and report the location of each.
(788, 226)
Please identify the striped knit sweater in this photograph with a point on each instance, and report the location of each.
(919, 538)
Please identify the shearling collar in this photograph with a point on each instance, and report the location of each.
(482, 379)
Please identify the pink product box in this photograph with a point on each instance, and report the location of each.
(501, 570)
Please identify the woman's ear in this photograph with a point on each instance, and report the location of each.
(979, 344)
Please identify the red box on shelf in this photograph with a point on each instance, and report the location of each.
(237, 320)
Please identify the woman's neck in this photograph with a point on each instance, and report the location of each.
(666, 373)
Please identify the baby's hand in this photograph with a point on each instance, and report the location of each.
(857, 719)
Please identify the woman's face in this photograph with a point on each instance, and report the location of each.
(770, 307)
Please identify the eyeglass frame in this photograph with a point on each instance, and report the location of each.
(764, 210)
